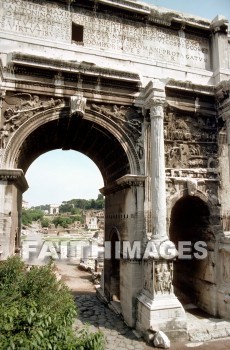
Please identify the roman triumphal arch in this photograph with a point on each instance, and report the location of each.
(144, 92)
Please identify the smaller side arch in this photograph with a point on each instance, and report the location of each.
(192, 232)
(112, 266)
(171, 201)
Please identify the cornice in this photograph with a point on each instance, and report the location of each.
(14, 176)
(191, 87)
(154, 14)
(123, 182)
(88, 68)
(132, 5)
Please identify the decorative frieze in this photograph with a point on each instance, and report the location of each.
(190, 142)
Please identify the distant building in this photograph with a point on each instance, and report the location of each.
(93, 219)
(25, 204)
(54, 209)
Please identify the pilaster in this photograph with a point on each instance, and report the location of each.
(219, 27)
(12, 185)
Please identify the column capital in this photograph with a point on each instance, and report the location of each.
(219, 25)
(224, 109)
(157, 106)
(226, 116)
(153, 93)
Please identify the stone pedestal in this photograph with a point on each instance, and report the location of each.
(158, 307)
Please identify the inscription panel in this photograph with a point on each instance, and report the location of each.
(50, 21)
(112, 33)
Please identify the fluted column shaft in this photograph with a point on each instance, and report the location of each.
(158, 170)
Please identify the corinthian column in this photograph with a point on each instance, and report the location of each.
(226, 118)
(158, 169)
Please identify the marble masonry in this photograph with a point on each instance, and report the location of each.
(144, 92)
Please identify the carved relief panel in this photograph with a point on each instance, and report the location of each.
(18, 108)
(128, 118)
(190, 142)
(163, 274)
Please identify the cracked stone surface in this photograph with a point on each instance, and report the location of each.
(99, 316)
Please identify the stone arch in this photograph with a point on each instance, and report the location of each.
(194, 272)
(183, 193)
(107, 128)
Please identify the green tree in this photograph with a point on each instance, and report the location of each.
(63, 221)
(45, 222)
(37, 311)
(30, 215)
(84, 204)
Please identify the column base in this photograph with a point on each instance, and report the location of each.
(163, 313)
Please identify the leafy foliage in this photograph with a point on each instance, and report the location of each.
(45, 222)
(41, 207)
(30, 215)
(37, 311)
(65, 221)
(73, 204)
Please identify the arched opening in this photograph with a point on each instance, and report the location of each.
(190, 224)
(115, 267)
(82, 135)
(72, 181)
(112, 149)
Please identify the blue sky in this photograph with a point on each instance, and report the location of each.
(62, 175)
(206, 8)
(59, 175)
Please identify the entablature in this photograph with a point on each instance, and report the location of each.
(80, 76)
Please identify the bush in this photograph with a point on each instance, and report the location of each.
(29, 215)
(37, 311)
(45, 222)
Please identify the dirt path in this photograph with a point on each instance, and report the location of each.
(79, 281)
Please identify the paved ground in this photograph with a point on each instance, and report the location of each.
(99, 316)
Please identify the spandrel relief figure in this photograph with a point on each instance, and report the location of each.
(20, 107)
(139, 147)
(4, 133)
(126, 117)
